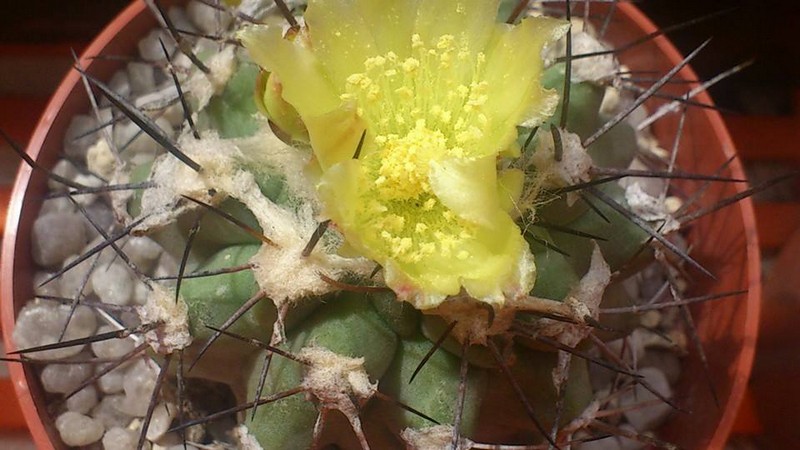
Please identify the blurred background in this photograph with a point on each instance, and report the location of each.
(760, 105)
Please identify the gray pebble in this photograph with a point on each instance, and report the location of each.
(112, 348)
(101, 215)
(160, 421)
(108, 412)
(142, 77)
(139, 383)
(207, 19)
(57, 204)
(83, 401)
(64, 378)
(666, 361)
(118, 438)
(76, 139)
(113, 283)
(112, 382)
(40, 322)
(51, 288)
(120, 84)
(143, 251)
(76, 429)
(64, 169)
(56, 236)
(150, 47)
(88, 181)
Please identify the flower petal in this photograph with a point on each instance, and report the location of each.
(391, 23)
(468, 188)
(305, 84)
(341, 39)
(510, 183)
(466, 20)
(514, 59)
(334, 135)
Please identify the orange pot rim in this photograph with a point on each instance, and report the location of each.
(743, 366)
(31, 413)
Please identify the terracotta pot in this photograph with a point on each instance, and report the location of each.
(724, 242)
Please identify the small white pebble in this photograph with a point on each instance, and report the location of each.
(64, 378)
(629, 444)
(140, 293)
(72, 280)
(64, 169)
(108, 413)
(635, 343)
(76, 429)
(143, 251)
(158, 99)
(137, 142)
(167, 266)
(112, 382)
(57, 204)
(100, 159)
(79, 136)
(88, 181)
(160, 421)
(118, 438)
(51, 288)
(207, 19)
(142, 77)
(112, 348)
(139, 383)
(608, 443)
(150, 47)
(120, 84)
(56, 236)
(113, 283)
(83, 401)
(666, 361)
(40, 323)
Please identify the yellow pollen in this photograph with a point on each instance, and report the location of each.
(422, 108)
(445, 42)
(410, 65)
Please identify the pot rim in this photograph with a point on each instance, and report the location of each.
(743, 366)
(33, 417)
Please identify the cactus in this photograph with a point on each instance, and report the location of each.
(394, 224)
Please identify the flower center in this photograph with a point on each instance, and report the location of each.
(413, 230)
(440, 85)
(403, 162)
(424, 108)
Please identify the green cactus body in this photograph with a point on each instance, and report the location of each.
(347, 325)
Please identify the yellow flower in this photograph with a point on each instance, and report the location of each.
(437, 88)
